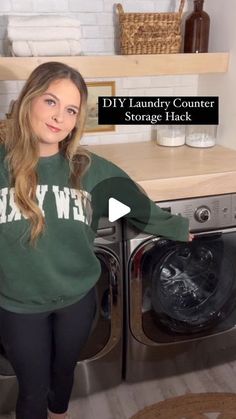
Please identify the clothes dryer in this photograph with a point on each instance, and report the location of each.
(100, 364)
(181, 297)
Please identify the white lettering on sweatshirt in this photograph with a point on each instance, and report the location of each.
(62, 202)
(15, 213)
(78, 208)
(70, 204)
(3, 204)
(40, 195)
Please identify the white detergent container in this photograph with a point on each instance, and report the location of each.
(201, 135)
(171, 135)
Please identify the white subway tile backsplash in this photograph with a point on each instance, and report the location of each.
(91, 31)
(133, 82)
(188, 80)
(9, 87)
(22, 6)
(89, 79)
(2, 32)
(109, 6)
(1, 49)
(3, 19)
(158, 91)
(91, 6)
(6, 6)
(139, 91)
(50, 6)
(107, 32)
(89, 139)
(105, 19)
(5, 100)
(136, 6)
(159, 81)
(109, 46)
(93, 45)
(96, 31)
(142, 91)
(185, 91)
(124, 92)
(86, 18)
(116, 137)
(124, 138)
(166, 6)
(131, 128)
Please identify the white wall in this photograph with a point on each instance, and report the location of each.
(98, 23)
(223, 38)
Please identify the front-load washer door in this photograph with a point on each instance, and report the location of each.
(192, 285)
(183, 290)
(107, 326)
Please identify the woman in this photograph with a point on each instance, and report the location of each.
(52, 194)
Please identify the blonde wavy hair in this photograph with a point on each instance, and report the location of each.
(22, 145)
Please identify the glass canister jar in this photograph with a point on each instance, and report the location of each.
(171, 135)
(201, 135)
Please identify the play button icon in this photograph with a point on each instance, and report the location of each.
(117, 197)
(116, 209)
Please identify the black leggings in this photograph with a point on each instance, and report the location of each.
(43, 349)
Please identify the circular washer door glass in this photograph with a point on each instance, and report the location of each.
(192, 285)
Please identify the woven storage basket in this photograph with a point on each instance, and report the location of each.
(150, 33)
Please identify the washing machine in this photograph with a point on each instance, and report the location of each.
(100, 363)
(180, 298)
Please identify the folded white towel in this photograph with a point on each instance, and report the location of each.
(42, 34)
(44, 48)
(42, 20)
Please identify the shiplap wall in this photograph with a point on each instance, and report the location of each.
(98, 24)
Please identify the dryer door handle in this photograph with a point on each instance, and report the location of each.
(209, 236)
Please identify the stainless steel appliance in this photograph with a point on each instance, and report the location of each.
(181, 297)
(100, 364)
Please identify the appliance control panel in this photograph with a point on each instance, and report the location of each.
(208, 212)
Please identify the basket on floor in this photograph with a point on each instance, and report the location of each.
(150, 33)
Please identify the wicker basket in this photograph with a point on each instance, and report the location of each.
(150, 33)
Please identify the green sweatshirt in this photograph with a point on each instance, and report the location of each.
(62, 267)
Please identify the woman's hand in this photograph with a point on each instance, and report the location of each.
(190, 237)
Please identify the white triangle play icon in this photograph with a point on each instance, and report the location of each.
(116, 209)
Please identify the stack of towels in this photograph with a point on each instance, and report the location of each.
(43, 35)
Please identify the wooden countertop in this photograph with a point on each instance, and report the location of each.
(174, 172)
